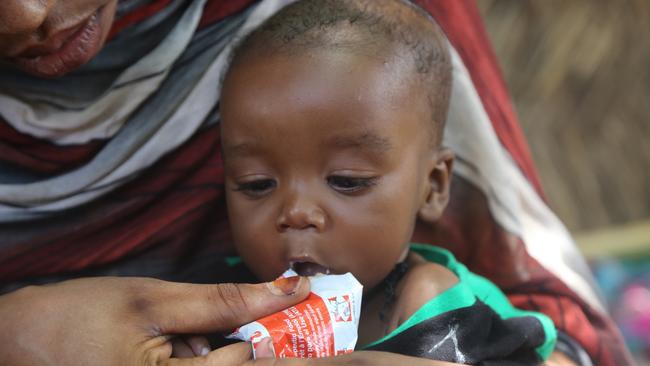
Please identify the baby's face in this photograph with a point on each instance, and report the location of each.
(326, 164)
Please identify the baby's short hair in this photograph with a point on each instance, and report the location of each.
(395, 26)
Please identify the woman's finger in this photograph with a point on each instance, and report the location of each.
(180, 349)
(231, 355)
(199, 345)
(264, 349)
(178, 308)
(234, 354)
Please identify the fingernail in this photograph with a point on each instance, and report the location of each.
(264, 349)
(205, 351)
(285, 286)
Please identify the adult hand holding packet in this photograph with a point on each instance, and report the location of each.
(325, 324)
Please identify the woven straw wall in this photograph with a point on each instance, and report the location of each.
(579, 75)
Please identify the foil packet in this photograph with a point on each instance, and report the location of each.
(325, 324)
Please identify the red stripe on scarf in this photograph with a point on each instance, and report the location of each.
(42, 156)
(214, 11)
(136, 16)
(172, 200)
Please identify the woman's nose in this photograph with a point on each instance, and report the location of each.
(300, 214)
(23, 16)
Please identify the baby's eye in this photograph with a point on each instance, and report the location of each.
(256, 188)
(345, 184)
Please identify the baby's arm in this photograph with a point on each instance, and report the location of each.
(422, 282)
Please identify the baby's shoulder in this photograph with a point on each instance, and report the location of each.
(422, 282)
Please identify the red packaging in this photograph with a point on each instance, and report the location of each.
(324, 324)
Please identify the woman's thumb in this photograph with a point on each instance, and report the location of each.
(188, 308)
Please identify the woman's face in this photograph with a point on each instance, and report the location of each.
(50, 38)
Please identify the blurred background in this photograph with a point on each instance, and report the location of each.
(579, 76)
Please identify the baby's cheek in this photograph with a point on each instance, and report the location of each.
(265, 265)
(260, 254)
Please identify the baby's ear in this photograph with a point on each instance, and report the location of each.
(437, 186)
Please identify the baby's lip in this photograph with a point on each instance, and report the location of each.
(308, 266)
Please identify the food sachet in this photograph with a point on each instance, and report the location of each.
(324, 324)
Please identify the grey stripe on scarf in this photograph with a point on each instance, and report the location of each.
(126, 6)
(170, 116)
(84, 86)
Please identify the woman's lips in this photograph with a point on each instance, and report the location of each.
(64, 51)
(53, 43)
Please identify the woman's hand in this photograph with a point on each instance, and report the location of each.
(376, 359)
(355, 358)
(265, 357)
(131, 321)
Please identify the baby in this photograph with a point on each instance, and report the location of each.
(332, 121)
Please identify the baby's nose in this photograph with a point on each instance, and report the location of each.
(300, 214)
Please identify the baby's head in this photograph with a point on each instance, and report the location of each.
(332, 120)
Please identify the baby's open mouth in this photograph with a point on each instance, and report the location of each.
(309, 268)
